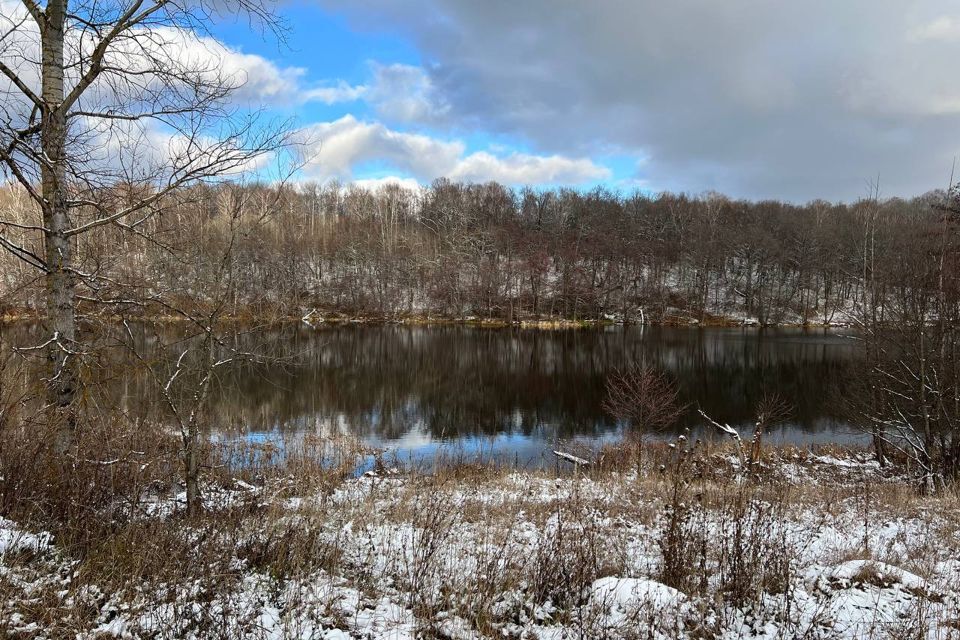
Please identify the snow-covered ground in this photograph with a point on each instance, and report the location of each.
(824, 547)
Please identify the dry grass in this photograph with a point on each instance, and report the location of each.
(497, 550)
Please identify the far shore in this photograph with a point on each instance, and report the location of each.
(317, 319)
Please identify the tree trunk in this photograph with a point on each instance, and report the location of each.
(191, 431)
(60, 284)
(191, 468)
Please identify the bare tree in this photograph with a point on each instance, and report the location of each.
(644, 397)
(911, 404)
(185, 371)
(109, 106)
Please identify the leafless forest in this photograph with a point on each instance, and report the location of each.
(486, 251)
(214, 253)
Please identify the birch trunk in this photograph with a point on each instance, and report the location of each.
(60, 284)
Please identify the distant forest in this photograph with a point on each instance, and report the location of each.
(486, 251)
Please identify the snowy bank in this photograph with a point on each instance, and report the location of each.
(510, 555)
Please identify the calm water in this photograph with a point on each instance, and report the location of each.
(515, 394)
(507, 393)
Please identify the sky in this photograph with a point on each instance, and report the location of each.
(751, 98)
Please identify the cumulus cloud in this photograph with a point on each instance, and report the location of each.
(405, 93)
(796, 100)
(340, 147)
(374, 184)
(147, 78)
(341, 92)
(254, 79)
(398, 94)
(523, 168)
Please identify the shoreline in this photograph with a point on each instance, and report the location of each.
(427, 320)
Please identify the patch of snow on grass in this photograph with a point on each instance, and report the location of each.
(13, 539)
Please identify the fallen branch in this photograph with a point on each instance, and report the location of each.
(569, 457)
(730, 431)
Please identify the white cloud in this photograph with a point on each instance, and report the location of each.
(375, 184)
(405, 93)
(255, 80)
(342, 146)
(341, 92)
(147, 152)
(761, 99)
(398, 93)
(942, 28)
(107, 149)
(523, 168)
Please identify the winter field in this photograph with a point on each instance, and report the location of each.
(809, 544)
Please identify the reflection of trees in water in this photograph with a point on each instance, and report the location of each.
(382, 381)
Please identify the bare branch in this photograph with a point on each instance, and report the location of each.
(35, 12)
(20, 84)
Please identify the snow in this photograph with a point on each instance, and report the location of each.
(846, 463)
(569, 457)
(12, 539)
(858, 570)
(861, 598)
(851, 574)
(619, 601)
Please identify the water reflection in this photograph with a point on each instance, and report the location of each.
(508, 394)
(416, 388)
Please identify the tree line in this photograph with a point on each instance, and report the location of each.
(487, 251)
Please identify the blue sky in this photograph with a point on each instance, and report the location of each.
(752, 99)
(323, 44)
(330, 52)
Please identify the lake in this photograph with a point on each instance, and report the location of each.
(516, 394)
(509, 394)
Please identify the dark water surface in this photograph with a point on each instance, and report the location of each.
(505, 393)
(514, 394)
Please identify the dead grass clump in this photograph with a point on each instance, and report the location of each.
(753, 548)
(305, 464)
(102, 479)
(144, 552)
(683, 541)
(290, 549)
(573, 551)
(431, 526)
(484, 596)
(729, 538)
